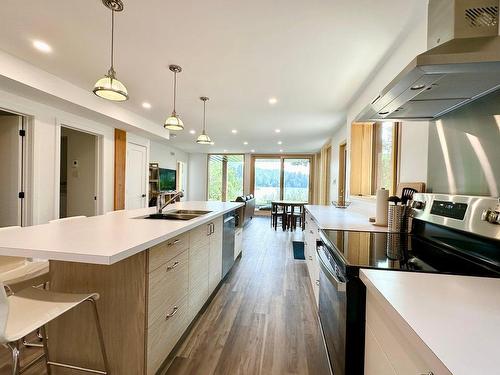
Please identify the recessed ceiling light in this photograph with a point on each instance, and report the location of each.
(146, 105)
(279, 142)
(252, 150)
(273, 100)
(234, 131)
(42, 46)
(225, 150)
(245, 143)
(277, 131)
(281, 150)
(192, 131)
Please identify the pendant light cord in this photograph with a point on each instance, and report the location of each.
(204, 128)
(175, 88)
(112, 69)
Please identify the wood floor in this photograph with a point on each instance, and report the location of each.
(262, 320)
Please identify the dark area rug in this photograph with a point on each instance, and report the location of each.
(298, 250)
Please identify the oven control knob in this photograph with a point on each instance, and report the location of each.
(418, 205)
(491, 216)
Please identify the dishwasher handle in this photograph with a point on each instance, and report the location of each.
(329, 272)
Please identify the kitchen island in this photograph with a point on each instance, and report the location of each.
(431, 323)
(153, 277)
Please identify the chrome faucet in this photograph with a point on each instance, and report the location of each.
(160, 206)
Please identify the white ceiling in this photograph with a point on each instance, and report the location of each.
(312, 55)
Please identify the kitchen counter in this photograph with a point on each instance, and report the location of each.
(329, 217)
(457, 317)
(104, 239)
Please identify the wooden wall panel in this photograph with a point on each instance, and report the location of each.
(120, 163)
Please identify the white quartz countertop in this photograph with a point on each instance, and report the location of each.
(457, 317)
(329, 217)
(104, 239)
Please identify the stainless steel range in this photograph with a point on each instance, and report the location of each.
(449, 234)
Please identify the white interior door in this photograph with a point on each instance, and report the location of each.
(136, 177)
(10, 170)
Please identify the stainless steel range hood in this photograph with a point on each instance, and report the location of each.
(462, 64)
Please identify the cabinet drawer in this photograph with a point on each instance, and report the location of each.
(164, 334)
(404, 349)
(167, 285)
(162, 253)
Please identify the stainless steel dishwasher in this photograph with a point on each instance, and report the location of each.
(228, 242)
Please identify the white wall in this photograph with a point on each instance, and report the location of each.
(414, 43)
(197, 177)
(9, 170)
(45, 127)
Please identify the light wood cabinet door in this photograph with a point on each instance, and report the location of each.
(198, 276)
(165, 251)
(238, 242)
(215, 255)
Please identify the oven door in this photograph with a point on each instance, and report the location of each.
(333, 310)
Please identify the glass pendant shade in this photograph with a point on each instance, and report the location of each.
(173, 123)
(110, 88)
(204, 139)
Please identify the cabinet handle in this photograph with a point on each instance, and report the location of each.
(310, 257)
(428, 373)
(317, 282)
(169, 268)
(174, 311)
(209, 228)
(174, 243)
(310, 231)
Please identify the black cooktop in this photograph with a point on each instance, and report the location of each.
(427, 250)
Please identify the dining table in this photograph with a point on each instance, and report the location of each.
(289, 206)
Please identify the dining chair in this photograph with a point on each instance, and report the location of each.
(33, 308)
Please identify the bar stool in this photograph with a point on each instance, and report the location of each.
(32, 309)
(17, 273)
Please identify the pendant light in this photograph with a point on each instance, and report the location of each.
(174, 122)
(203, 138)
(109, 87)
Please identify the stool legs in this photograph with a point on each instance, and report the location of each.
(14, 347)
(101, 336)
(43, 330)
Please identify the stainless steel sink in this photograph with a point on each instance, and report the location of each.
(178, 215)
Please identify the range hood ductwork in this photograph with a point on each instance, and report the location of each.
(462, 65)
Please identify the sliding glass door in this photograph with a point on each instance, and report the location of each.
(277, 177)
(267, 180)
(296, 173)
(225, 177)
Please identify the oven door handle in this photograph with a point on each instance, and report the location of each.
(330, 273)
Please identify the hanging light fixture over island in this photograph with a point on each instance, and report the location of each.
(174, 122)
(203, 138)
(109, 87)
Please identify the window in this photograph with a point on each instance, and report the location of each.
(281, 177)
(225, 177)
(267, 177)
(374, 150)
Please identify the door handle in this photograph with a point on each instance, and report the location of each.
(143, 196)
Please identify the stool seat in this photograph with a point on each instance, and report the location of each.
(25, 271)
(32, 308)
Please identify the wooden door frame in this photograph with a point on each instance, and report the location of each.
(342, 178)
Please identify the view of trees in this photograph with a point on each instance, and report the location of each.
(233, 164)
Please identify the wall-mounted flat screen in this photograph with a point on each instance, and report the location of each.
(168, 179)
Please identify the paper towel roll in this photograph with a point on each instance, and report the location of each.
(382, 207)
